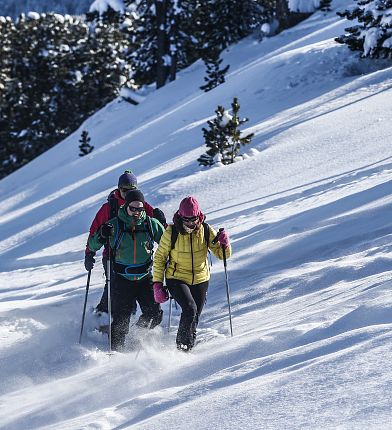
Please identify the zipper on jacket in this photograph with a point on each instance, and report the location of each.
(193, 273)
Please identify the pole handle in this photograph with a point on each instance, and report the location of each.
(216, 238)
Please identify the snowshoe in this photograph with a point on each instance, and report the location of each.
(183, 347)
(102, 321)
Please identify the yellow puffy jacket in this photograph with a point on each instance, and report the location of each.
(188, 259)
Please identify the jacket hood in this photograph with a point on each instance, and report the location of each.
(130, 221)
(116, 195)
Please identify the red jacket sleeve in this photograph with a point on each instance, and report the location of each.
(101, 217)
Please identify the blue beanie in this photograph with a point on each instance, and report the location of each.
(127, 180)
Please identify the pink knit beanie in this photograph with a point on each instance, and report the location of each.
(189, 207)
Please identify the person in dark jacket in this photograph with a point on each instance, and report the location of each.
(127, 181)
(131, 237)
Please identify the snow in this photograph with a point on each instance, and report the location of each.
(60, 18)
(370, 42)
(303, 6)
(101, 6)
(129, 94)
(308, 213)
(33, 15)
(266, 28)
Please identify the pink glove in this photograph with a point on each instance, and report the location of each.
(160, 293)
(223, 239)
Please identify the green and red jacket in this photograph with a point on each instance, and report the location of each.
(132, 243)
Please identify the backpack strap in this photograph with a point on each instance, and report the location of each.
(207, 240)
(148, 225)
(122, 229)
(206, 233)
(119, 236)
(174, 235)
(113, 205)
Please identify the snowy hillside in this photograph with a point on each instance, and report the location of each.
(309, 215)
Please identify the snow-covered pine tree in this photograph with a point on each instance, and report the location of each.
(219, 23)
(222, 22)
(214, 138)
(223, 137)
(85, 147)
(60, 73)
(234, 133)
(215, 76)
(144, 58)
(164, 40)
(28, 93)
(372, 35)
(112, 27)
(7, 27)
(182, 48)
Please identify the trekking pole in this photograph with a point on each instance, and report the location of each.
(84, 307)
(227, 278)
(109, 298)
(170, 313)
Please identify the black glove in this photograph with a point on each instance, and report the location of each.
(105, 231)
(159, 215)
(89, 261)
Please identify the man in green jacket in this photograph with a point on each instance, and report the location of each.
(131, 236)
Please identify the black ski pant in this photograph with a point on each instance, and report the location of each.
(191, 298)
(103, 303)
(123, 294)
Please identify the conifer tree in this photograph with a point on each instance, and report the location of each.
(85, 147)
(222, 22)
(372, 35)
(60, 72)
(167, 38)
(215, 76)
(223, 137)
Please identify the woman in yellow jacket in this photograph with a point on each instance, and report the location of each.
(186, 268)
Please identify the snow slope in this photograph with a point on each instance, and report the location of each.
(308, 213)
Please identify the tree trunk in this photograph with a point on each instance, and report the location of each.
(162, 48)
(282, 14)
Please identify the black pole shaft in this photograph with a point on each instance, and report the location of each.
(84, 306)
(109, 270)
(227, 289)
(170, 314)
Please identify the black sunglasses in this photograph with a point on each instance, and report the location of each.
(189, 218)
(133, 209)
(124, 189)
